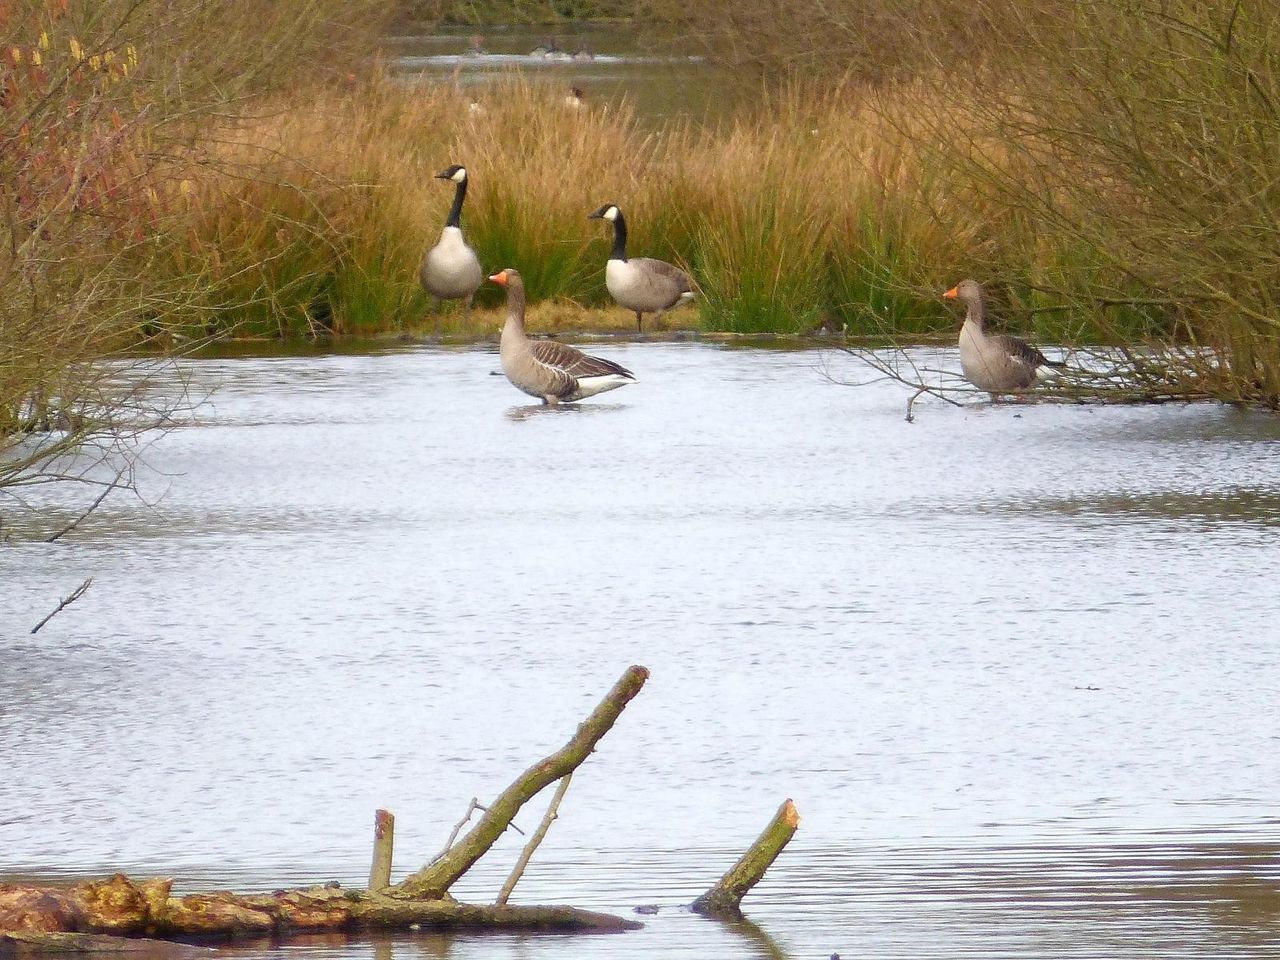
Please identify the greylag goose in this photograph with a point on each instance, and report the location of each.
(997, 363)
(546, 369)
(640, 284)
(451, 269)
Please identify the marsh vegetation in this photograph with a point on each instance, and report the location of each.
(178, 172)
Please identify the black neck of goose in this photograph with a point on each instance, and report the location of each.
(619, 238)
(455, 212)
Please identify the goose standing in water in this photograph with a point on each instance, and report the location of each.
(996, 363)
(546, 369)
(641, 284)
(451, 269)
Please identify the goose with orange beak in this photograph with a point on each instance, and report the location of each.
(996, 363)
(553, 372)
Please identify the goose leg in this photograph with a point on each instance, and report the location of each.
(639, 322)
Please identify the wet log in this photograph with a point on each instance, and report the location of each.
(435, 879)
(724, 898)
(384, 839)
(123, 907)
(38, 944)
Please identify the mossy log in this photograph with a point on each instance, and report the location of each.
(125, 908)
(435, 879)
(724, 898)
(122, 907)
(28, 944)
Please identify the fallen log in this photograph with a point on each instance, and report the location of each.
(724, 898)
(19, 944)
(123, 907)
(126, 908)
(437, 877)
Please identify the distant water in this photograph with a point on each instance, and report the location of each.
(659, 75)
(1015, 664)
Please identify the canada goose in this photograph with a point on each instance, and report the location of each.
(997, 363)
(542, 49)
(451, 269)
(640, 284)
(546, 369)
(573, 100)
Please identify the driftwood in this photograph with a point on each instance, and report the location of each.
(122, 907)
(725, 896)
(436, 878)
(110, 916)
(384, 839)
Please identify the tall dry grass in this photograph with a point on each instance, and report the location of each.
(98, 101)
(1130, 143)
(814, 208)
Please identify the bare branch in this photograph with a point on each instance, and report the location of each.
(75, 595)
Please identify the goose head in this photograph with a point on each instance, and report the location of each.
(457, 173)
(506, 278)
(968, 292)
(608, 212)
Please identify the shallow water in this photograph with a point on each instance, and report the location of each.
(647, 66)
(1015, 664)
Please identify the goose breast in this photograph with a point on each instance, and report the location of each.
(451, 268)
(645, 284)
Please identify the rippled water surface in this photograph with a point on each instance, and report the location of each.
(1016, 664)
(660, 75)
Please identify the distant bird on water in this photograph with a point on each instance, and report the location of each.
(641, 284)
(996, 363)
(451, 270)
(551, 371)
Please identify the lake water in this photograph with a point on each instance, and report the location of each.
(662, 76)
(1015, 664)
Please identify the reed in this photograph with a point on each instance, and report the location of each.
(797, 212)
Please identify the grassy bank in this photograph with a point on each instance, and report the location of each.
(816, 208)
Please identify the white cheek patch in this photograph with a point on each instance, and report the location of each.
(611, 213)
(460, 175)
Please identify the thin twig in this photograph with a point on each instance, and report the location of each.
(66, 602)
(466, 817)
(113, 485)
(526, 854)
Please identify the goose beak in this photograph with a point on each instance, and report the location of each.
(499, 278)
(952, 293)
(442, 175)
(595, 216)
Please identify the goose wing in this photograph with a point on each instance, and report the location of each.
(1021, 351)
(666, 278)
(573, 361)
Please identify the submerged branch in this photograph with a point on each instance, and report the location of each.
(553, 811)
(67, 601)
(725, 896)
(435, 879)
